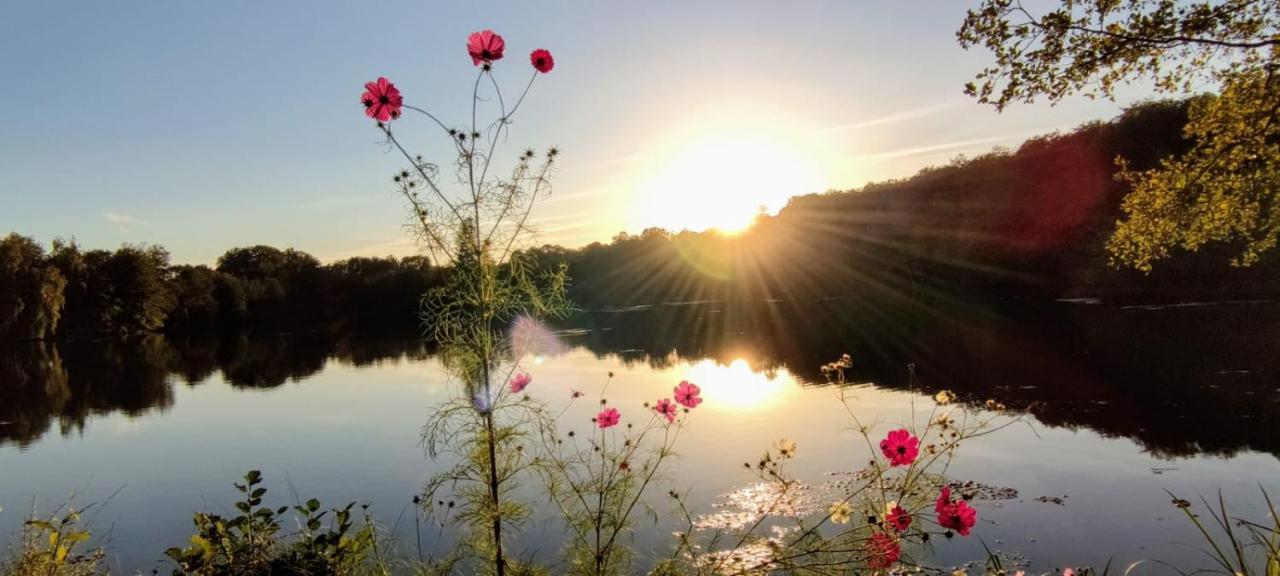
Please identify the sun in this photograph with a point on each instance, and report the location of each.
(724, 182)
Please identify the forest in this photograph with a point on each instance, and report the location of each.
(1030, 223)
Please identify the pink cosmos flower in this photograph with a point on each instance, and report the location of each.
(382, 100)
(542, 60)
(608, 418)
(900, 447)
(665, 407)
(1068, 572)
(898, 519)
(955, 515)
(485, 47)
(882, 551)
(520, 381)
(687, 394)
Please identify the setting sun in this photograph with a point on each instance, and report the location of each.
(723, 182)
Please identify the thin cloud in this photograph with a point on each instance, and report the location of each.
(121, 222)
(553, 198)
(628, 159)
(896, 117)
(399, 247)
(560, 217)
(919, 150)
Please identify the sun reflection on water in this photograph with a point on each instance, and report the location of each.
(736, 386)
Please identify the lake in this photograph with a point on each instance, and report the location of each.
(1119, 403)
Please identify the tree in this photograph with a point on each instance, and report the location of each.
(1227, 186)
(31, 291)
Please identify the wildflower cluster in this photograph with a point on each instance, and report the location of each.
(598, 482)
(899, 501)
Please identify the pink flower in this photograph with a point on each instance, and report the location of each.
(955, 515)
(898, 519)
(608, 418)
(667, 408)
(900, 447)
(1068, 572)
(882, 551)
(485, 47)
(381, 100)
(542, 60)
(687, 394)
(520, 381)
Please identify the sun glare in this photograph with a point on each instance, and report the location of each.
(724, 182)
(736, 386)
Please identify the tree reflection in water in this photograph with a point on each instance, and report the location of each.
(1180, 381)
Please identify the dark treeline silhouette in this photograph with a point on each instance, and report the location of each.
(70, 292)
(1178, 380)
(1028, 223)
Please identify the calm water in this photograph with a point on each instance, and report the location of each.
(1120, 404)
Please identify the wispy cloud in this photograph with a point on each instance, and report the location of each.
(553, 198)
(122, 222)
(619, 161)
(560, 218)
(399, 246)
(896, 117)
(920, 150)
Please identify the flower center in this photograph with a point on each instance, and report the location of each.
(383, 99)
(902, 449)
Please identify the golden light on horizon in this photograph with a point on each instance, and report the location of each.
(736, 386)
(723, 182)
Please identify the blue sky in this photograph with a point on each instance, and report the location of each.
(206, 125)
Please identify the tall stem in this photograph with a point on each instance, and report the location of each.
(499, 564)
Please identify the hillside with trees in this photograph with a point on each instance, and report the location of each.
(1031, 223)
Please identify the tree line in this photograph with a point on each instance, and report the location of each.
(1034, 222)
(69, 292)
(1027, 223)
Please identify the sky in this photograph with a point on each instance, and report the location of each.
(202, 126)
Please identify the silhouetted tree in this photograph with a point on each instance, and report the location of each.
(31, 291)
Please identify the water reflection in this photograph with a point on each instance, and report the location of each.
(737, 386)
(1180, 381)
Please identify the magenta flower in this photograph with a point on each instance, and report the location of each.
(382, 100)
(900, 447)
(955, 515)
(608, 418)
(485, 47)
(665, 407)
(542, 60)
(687, 394)
(882, 551)
(898, 519)
(520, 382)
